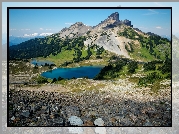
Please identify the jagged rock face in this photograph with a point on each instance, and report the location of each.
(109, 41)
(114, 16)
(75, 30)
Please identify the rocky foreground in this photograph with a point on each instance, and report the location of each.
(98, 103)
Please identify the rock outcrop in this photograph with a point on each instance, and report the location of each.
(75, 30)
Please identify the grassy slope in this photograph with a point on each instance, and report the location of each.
(143, 53)
(65, 55)
(68, 55)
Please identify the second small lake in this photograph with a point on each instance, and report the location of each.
(77, 72)
(39, 62)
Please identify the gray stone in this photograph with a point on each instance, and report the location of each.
(148, 123)
(25, 113)
(76, 121)
(72, 111)
(13, 118)
(99, 122)
(58, 121)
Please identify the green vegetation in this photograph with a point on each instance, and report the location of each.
(42, 80)
(60, 51)
(43, 47)
(152, 73)
(132, 66)
(84, 53)
(155, 71)
(166, 68)
(149, 66)
(112, 70)
(131, 49)
(149, 79)
(129, 33)
(151, 48)
(66, 52)
(144, 55)
(155, 87)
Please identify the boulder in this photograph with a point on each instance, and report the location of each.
(75, 121)
(25, 113)
(99, 122)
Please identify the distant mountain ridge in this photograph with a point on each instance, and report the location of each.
(14, 40)
(112, 34)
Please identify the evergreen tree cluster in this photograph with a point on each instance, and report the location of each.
(150, 79)
(43, 47)
(132, 66)
(149, 66)
(111, 70)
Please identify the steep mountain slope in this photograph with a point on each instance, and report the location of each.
(108, 40)
(114, 35)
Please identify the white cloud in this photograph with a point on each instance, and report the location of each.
(48, 29)
(25, 29)
(45, 34)
(26, 35)
(158, 27)
(41, 28)
(151, 12)
(143, 27)
(12, 29)
(37, 34)
(68, 23)
(31, 35)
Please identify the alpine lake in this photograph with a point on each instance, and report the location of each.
(69, 73)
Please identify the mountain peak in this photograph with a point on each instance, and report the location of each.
(114, 16)
(77, 24)
(75, 30)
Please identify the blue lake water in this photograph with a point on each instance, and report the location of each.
(77, 72)
(39, 63)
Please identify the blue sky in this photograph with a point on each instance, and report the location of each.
(28, 23)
